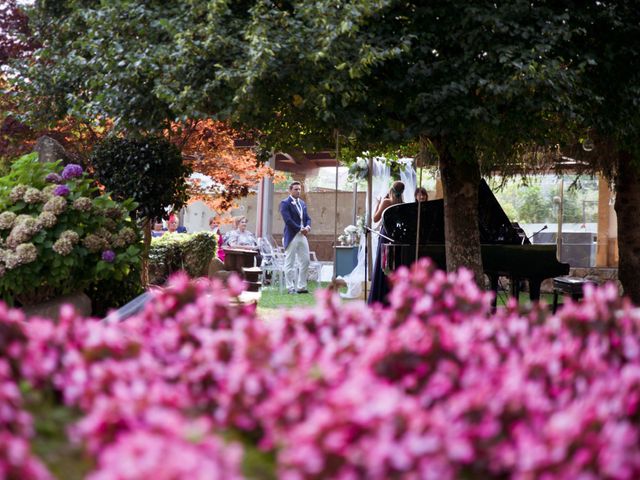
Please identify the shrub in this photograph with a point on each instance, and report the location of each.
(108, 294)
(149, 170)
(181, 251)
(59, 234)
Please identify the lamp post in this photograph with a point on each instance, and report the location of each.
(559, 201)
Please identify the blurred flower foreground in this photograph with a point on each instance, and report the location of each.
(434, 386)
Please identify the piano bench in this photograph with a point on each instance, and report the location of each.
(572, 286)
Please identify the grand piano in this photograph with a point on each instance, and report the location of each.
(505, 250)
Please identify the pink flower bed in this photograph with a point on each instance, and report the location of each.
(433, 386)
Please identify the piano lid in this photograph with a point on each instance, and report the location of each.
(400, 221)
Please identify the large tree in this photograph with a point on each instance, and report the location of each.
(209, 149)
(473, 81)
(611, 103)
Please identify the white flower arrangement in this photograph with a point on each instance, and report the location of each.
(359, 170)
(352, 233)
(351, 229)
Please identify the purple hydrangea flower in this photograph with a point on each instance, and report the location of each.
(61, 191)
(72, 170)
(109, 256)
(53, 178)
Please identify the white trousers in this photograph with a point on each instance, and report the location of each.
(297, 251)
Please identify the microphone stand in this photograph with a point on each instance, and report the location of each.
(375, 232)
(534, 234)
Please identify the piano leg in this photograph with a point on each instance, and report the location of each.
(515, 288)
(493, 280)
(534, 289)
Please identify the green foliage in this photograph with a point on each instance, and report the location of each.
(60, 238)
(479, 77)
(532, 201)
(149, 170)
(5, 166)
(181, 251)
(611, 83)
(381, 73)
(50, 443)
(26, 170)
(533, 207)
(138, 64)
(108, 294)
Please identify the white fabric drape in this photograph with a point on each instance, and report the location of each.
(409, 177)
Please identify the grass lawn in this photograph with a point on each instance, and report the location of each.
(272, 300)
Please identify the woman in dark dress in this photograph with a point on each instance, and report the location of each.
(379, 282)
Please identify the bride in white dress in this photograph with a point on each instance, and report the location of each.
(381, 179)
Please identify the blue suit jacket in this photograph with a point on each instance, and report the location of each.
(291, 217)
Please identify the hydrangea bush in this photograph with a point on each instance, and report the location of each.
(59, 233)
(432, 386)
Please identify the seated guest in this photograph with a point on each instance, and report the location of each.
(421, 194)
(214, 226)
(157, 229)
(241, 237)
(173, 225)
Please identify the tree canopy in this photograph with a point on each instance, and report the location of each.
(133, 63)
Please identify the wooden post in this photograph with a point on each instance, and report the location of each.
(369, 219)
(560, 219)
(355, 201)
(418, 221)
(335, 221)
(604, 198)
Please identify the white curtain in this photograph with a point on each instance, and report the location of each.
(409, 177)
(380, 184)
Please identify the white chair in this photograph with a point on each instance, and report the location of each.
(275, 246)
(315, 267)
(272, 265)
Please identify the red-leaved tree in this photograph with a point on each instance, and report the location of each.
(208, 147)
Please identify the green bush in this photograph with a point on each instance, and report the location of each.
(180, 251)
(108, 294)
(149, 170)
(59, 234)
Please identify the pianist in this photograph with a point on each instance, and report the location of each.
(379, 282)
(421, 194)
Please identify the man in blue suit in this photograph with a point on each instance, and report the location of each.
(297, 225)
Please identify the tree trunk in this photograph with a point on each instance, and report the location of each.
(144, 273)
(460, 182)
(627, 206)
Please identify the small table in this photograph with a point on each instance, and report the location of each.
(346, 259)
(570, 286)
(236, 259)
